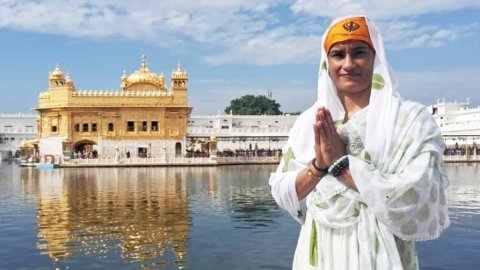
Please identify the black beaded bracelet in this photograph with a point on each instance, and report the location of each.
(338, 166)
(318, 169)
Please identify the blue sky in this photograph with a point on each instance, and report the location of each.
(231, 48)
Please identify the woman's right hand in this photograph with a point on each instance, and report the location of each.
(328, 145)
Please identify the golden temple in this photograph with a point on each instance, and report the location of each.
(143, 118)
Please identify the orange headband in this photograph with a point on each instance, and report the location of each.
(354, 28)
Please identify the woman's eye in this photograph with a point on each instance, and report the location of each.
(359, 53)
(336, 55)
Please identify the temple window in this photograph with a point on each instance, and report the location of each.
(154, 125)
(110, 127)
(94, 127)
(85, 128)
(77, 127)
(144, 126)
(54, 128)
(130, 126)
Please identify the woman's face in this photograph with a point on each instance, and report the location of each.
(351, 67)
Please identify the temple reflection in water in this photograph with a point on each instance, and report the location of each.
(170, 218)
(103, 211)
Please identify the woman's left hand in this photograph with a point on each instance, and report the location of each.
(331, 146)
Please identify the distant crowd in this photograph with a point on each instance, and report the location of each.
(462, 150)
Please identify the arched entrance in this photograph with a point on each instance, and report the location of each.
(85, 149)
(178, 149)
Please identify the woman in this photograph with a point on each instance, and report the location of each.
(362, 170)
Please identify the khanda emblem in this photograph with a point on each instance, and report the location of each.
(351, 26)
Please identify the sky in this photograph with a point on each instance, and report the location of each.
(231, 48)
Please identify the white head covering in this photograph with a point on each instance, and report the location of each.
(383, 105)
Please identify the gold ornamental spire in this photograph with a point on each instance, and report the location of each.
(144, 63)
(142, 79)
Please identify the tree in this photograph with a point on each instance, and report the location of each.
(253, 105)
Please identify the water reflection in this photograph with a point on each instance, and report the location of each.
(241, 192)
(457, 247)
(169, 218)
(142, 212)
(463, 193)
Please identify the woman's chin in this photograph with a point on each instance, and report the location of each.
(352, 89)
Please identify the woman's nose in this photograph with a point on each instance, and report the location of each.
(349, 63)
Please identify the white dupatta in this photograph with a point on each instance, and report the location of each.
(399, 175)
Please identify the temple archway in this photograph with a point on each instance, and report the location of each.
(85, 149)
(178, 149)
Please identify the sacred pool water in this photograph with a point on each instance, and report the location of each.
(181, 218)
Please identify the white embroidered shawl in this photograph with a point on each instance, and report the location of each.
(400, 174)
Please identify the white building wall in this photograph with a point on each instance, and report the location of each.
(232, 132)
(51, 146)
(458, 123)
(16, 129)
(456, 119)
(155, 148)
(242, 131)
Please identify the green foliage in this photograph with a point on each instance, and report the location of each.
(253, 105)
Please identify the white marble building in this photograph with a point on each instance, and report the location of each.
(232, 132)
(459, 123)
(246, 132)
(14, 130)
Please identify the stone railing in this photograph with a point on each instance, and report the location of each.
(100, 93)
(246, 131)
(461, 158)
(247, 159)
(170, 161)
(139, 161)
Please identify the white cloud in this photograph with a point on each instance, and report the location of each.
(379, 9)
(271, 48)
(281, 45)
(135, 19)
(405, 34)
(427, 86)
(234, 31)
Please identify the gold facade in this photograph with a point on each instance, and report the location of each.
(143, 109)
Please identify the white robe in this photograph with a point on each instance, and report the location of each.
(399, 200)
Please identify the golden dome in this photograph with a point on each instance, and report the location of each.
(68, 81)
(179, 73)
(142, 76)
(57, 73)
